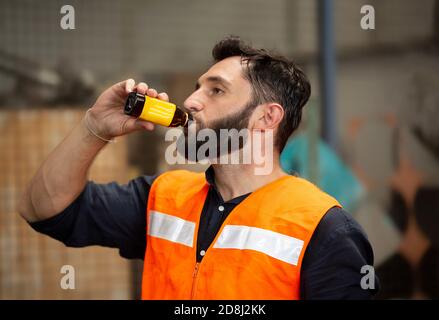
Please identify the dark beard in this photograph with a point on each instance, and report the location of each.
(238, 120)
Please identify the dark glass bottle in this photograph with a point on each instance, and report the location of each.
(155, 110)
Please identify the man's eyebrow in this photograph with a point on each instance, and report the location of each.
(215, 79)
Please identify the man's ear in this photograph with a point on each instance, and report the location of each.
(268, 116)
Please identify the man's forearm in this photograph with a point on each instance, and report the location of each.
(62, 176)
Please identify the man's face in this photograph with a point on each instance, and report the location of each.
(221, 95)
(220, 101)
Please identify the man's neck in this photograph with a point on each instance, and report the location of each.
(234, 180)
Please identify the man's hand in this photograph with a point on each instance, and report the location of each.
(63, 175)
(107, 116)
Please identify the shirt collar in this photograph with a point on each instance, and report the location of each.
(210, 178)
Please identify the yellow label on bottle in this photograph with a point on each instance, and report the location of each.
(158, 111)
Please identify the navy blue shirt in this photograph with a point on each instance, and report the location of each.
(114, 215)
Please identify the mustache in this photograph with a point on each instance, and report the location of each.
(236, 120)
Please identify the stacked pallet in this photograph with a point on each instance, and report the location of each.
(30, 263)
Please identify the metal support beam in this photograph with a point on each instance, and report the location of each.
(327, 72)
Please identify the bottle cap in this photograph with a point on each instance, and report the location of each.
(134, 104)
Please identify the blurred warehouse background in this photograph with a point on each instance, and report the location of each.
(381, 162)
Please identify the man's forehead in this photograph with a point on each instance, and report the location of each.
(230, 69)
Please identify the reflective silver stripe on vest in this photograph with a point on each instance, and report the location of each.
(276, 245)
(175, 229)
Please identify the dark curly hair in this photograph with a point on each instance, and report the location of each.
(274, 78)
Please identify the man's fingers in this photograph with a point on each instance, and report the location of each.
(145, 125)
(142, 88)
(129, 85)
(132, 124)
(152, 93)
(124, 86)
(163, 96)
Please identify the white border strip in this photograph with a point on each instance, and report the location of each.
(276, 245)
(168, 227)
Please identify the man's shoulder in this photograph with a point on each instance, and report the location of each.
(305, 191)
(337, 224)
(333, 261)
(296, 197)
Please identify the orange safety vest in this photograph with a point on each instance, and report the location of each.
(257, 253)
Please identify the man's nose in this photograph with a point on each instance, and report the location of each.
(193, 104)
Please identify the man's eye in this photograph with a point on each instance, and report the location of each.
(217, 91)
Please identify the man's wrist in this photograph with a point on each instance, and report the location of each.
(88, 123)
